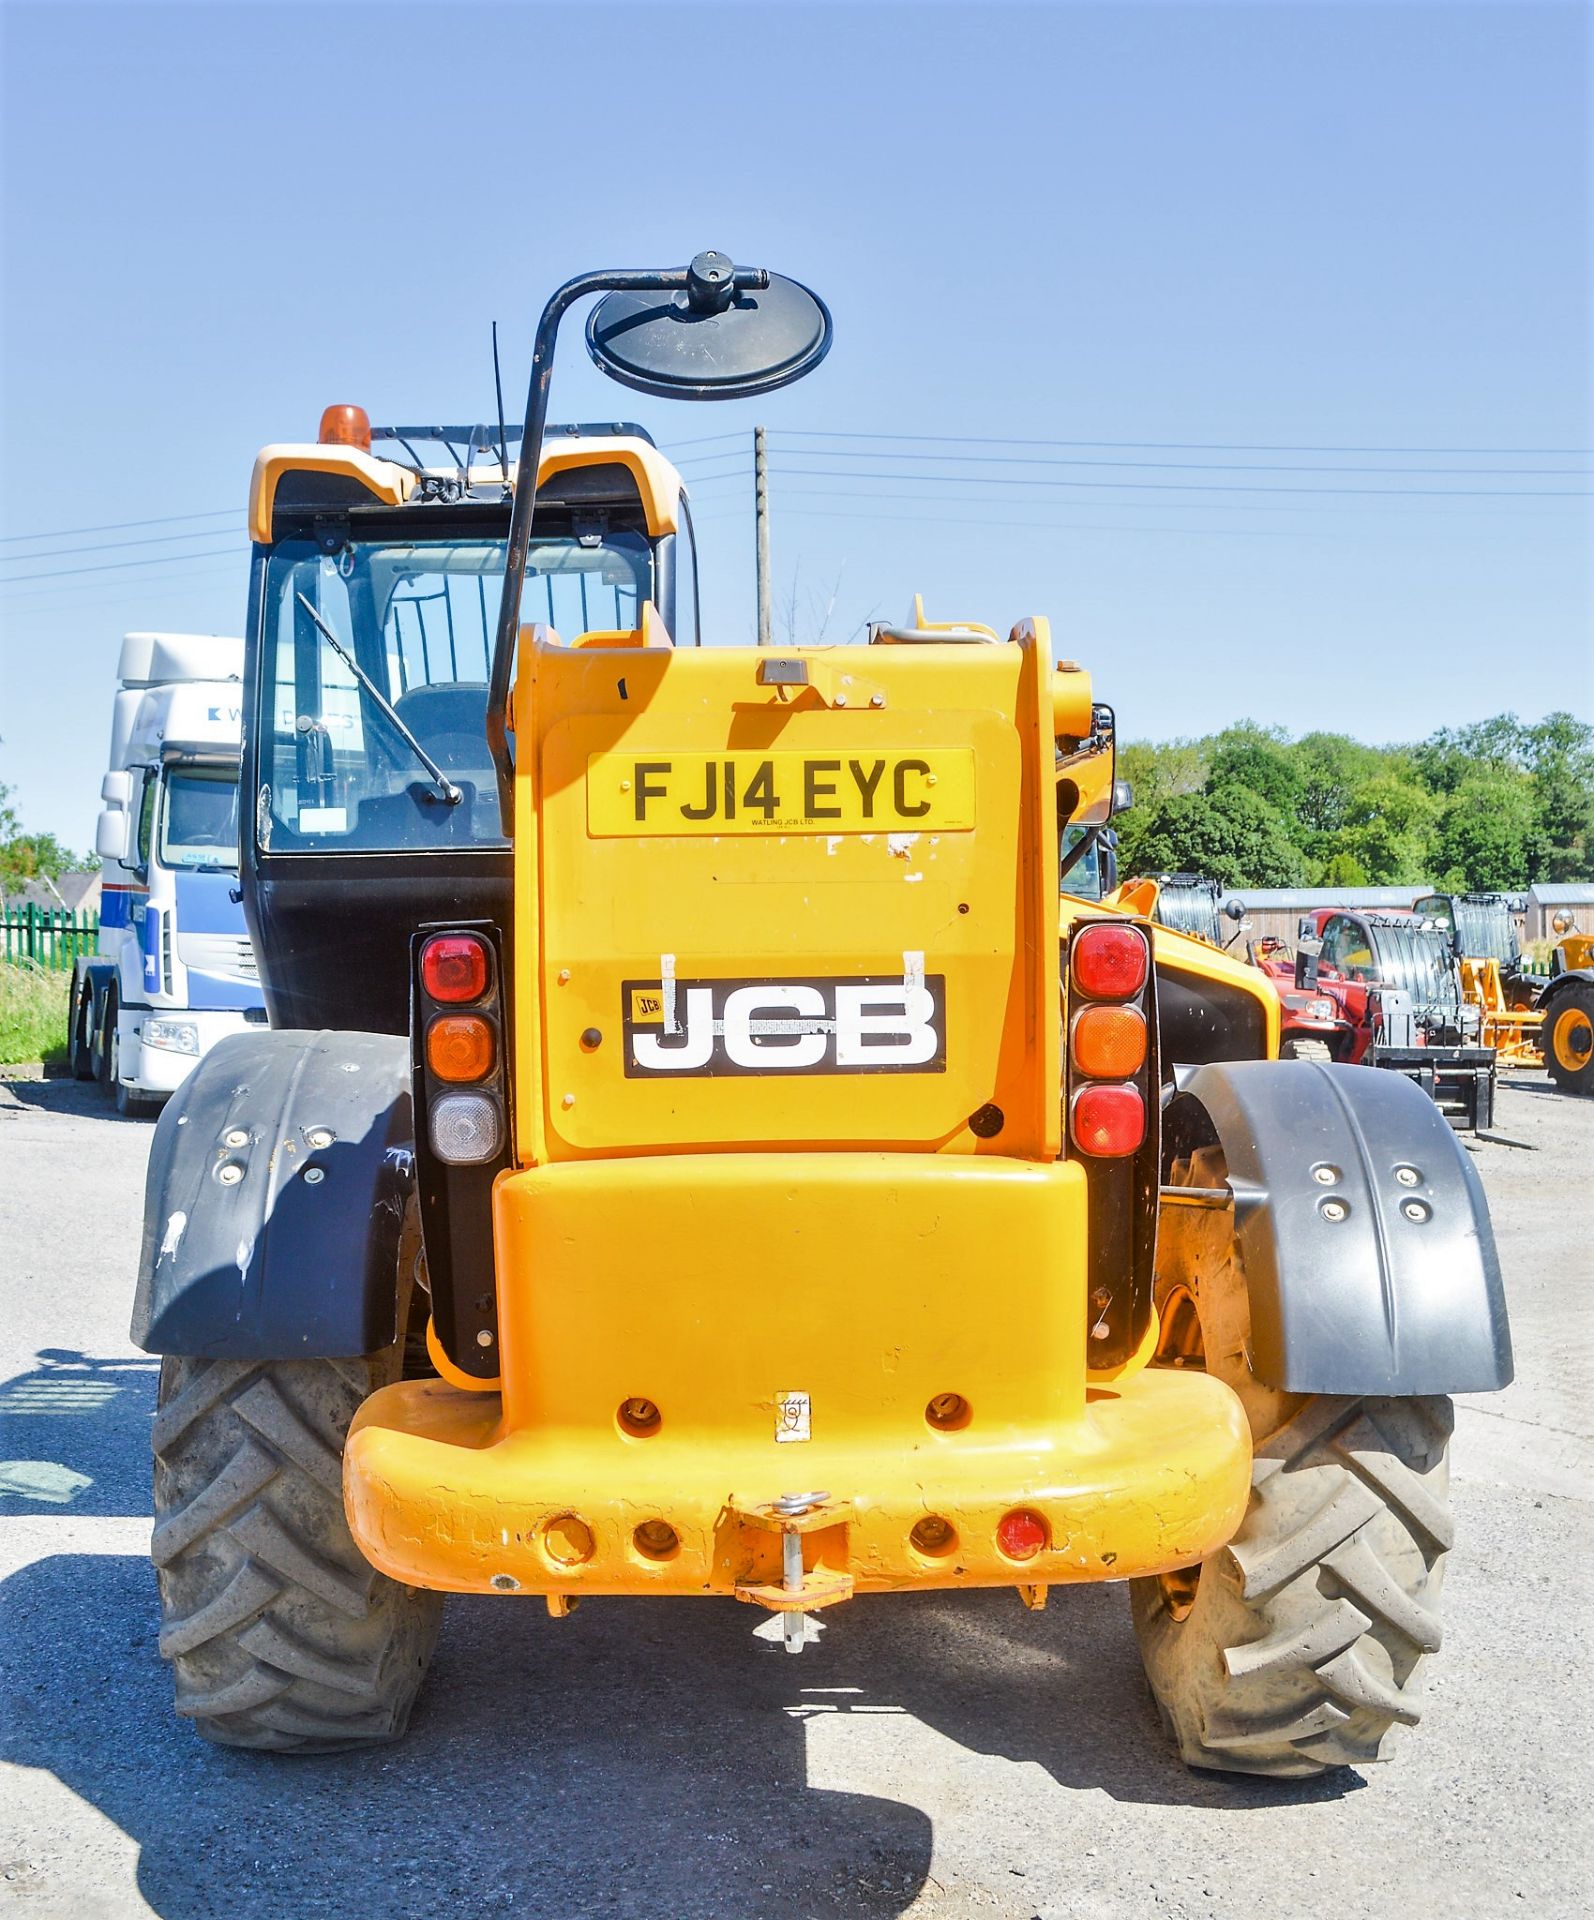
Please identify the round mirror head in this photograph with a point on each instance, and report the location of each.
(1562, 922)
(708, 341)
(1235, 909)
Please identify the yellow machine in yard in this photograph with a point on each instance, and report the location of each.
(1531, 1019)
(702, 1147)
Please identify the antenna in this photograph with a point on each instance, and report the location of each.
(503, 438)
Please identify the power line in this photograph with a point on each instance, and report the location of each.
(1128, 506)
(1205, 486)
(118, 526)
(115, 566)
(1182, 466)
(1003, 525)
(1185, 446)
(111, 546)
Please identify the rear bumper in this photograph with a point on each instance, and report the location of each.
(797, 1321)
(1153, 1474)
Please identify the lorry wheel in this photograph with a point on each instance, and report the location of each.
(102, 1042)
(1569, 1040)
(1298, 1646)
(1306, 1050)
(281, 1636)
(82, 1032)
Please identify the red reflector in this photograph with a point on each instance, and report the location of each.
(454, 967)
(1021, 1534)
(1108, 1120)
(1109, 962)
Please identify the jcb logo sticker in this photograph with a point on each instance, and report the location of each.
(705, 1027)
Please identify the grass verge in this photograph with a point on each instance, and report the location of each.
(32, 1014)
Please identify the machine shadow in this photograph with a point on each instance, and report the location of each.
(66, 1428)
(60, 1093)
(638, 1758)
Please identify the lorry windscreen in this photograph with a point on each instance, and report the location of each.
(419, 616)
(199, 818)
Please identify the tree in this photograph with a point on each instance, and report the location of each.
(1331, 767)
(1560, 755)
(30, 856)
(1232, 835)
(1487, 831)
(1244, 758)
(1389, 831)
(1445, 758)
(1342, 870)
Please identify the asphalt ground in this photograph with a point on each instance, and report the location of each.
(934, 1755)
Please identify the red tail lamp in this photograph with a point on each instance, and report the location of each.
(1110, 1042)
(1021, 1534)
(1109, 962)
(459, 1047)
(1108, 1121)
(454, 968)
(346, 427)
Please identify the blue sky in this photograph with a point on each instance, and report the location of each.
(1196, 237)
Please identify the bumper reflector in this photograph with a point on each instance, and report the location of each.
(466, 1128)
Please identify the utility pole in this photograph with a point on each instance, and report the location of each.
(761, 520)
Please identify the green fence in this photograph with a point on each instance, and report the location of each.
(48, 936)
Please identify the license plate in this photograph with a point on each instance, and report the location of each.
(783, 792)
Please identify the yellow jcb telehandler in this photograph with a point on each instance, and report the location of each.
(1532, 1020)
(701, 1147)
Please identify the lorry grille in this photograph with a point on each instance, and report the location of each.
(227, 954)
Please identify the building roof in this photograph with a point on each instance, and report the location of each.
(1305, 898)
(75, 890)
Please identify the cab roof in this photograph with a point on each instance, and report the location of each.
(320, 477)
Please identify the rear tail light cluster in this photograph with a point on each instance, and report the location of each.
(460, 1012)
(1108, 1041)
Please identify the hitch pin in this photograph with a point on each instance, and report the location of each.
(794, 1624)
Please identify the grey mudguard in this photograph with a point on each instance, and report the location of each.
(275, 1198)
(1364, 1234)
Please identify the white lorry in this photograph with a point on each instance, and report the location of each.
(174, 972)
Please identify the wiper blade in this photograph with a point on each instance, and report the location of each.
(451, 794)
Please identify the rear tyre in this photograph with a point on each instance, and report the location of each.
(101, 1042)
(281, 1635)
(82, 1032)
(1307, 1050)
(1297, 1647)
(1569, 1040)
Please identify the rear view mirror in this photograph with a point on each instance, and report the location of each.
(1306, 965)
(1123, 796)
(110, 832)
(1235, 910)
(713, 339)
(116, 789)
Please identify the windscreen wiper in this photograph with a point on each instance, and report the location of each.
(451, 794)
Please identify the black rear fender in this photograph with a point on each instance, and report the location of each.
(1363, 1230)
(274, 1203)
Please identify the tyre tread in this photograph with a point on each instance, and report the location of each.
(280, 1635)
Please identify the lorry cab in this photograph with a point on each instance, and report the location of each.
(173, 972)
